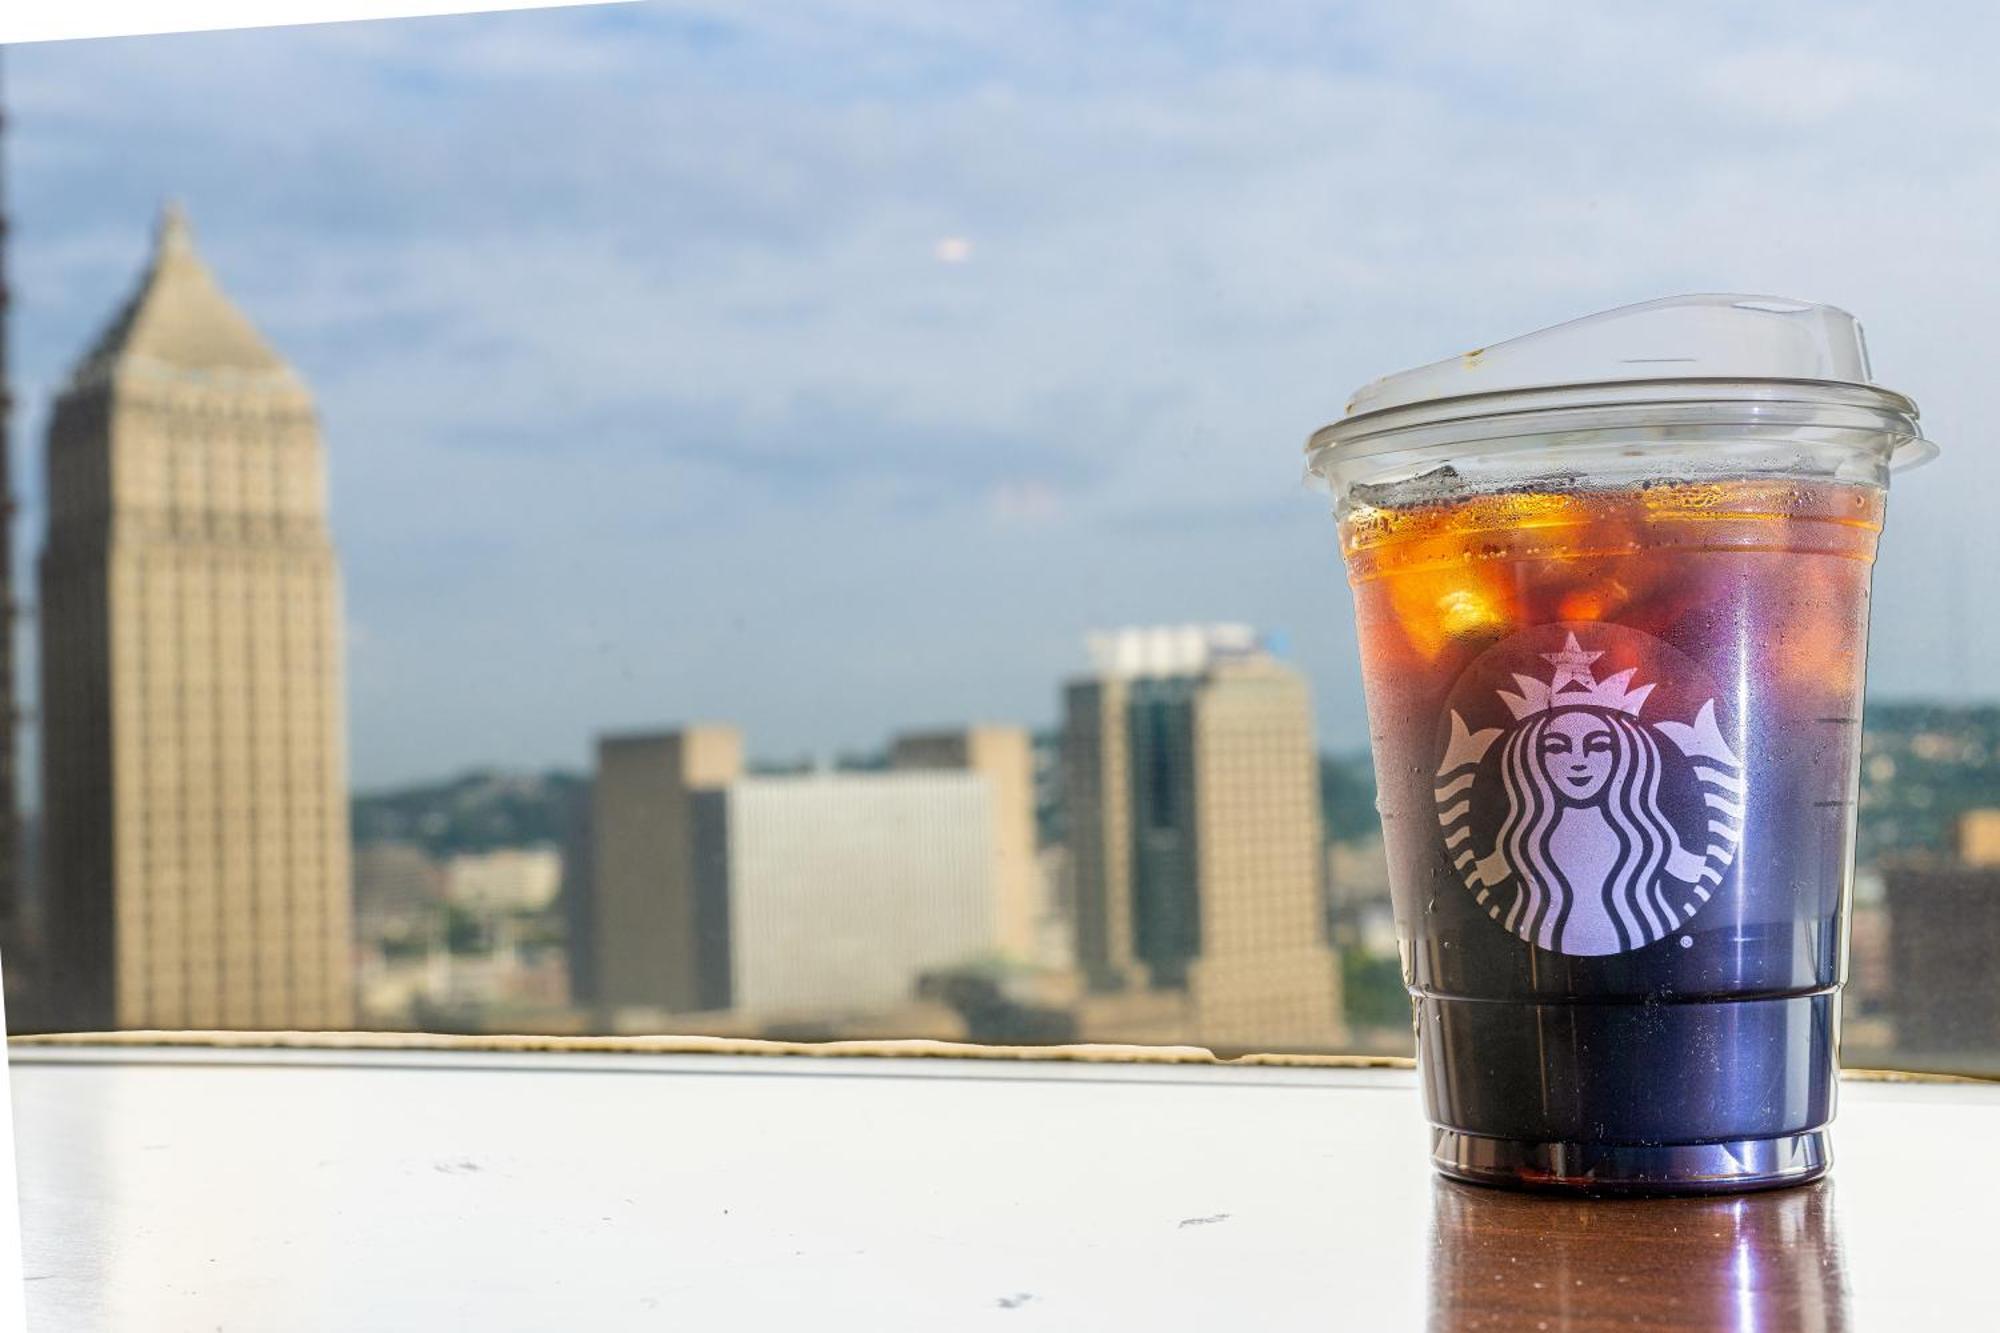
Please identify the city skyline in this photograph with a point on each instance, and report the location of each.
(931, 360)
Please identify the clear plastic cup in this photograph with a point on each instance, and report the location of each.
(1612, 590)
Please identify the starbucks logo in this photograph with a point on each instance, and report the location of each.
(1587, 793)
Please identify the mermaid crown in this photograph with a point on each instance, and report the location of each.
(1572, 685)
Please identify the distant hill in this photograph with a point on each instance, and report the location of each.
(1924, 764)
(475, 812)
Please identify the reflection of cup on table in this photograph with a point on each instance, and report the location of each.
(1612, 590)
(1502, 1260)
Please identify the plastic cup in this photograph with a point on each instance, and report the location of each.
(1611, 583)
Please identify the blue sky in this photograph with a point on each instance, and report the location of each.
(833, 368)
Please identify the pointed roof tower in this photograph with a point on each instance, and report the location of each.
(178, 323)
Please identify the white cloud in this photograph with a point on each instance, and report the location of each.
(1805, 87)
(552, 272)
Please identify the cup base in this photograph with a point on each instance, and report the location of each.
(1730, 1167)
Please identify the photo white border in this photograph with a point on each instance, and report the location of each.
(62, 20)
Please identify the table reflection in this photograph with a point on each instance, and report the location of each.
(1751, 1261)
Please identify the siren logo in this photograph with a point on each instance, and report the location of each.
(1587, 794)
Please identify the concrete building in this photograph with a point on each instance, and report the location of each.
(648, 935)
(579, 897)
(194, 772)
(791, 897)
(1191, 786)
(832, 894)
(507, 984)
(1944, 932)
(1870, 988)
(1359, 905)
(1003, 756)
(508, 879)
(397, 887)
(1979, 838)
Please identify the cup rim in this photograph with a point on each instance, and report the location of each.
(1628, 403)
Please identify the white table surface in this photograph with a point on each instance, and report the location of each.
(255, 1190)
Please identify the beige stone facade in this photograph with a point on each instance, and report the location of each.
(1979, 838)
(1193, 804)
(194, 769)
(1005, 758)
(1265, 977)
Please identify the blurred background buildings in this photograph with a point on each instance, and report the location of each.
(1174, 861)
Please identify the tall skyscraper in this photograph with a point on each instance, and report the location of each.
(1004, 757)
(193, 765)
(1191, 782)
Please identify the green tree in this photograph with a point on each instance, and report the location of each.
(1373, 989)
(1347, 796)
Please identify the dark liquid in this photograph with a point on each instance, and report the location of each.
(1683, 1002)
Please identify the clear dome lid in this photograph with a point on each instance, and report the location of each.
(1680, 337)
(1734, 353)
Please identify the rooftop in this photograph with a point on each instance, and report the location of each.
(179, 323)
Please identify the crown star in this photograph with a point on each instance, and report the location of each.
(1572, 665)
(1574, 685)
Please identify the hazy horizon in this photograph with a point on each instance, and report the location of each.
(831, 370)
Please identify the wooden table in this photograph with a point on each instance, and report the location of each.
(1762, 1261)
(185, 1189)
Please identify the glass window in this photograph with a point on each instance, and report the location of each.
(667, 520)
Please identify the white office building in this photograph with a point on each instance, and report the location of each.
(508, 879)
(826, 894)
